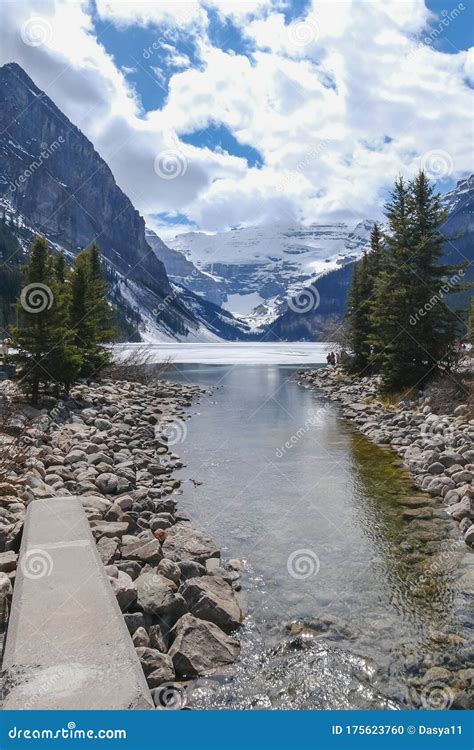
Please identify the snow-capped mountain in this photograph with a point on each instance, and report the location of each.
(253, 271)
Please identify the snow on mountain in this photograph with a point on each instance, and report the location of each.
(253, 271)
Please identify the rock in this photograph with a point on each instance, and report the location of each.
(10, 536)
(102, 424)
(107, 483)
(436, 468)
(236, 565)
(460, 477)
(158, 639)
(131, 567)
(109, 528)
(107, 549)
(417, 513)
(6, 592)
(460, 510)
(7, 489)
(469, 536)
(437, 674)
(124, 590)
(184, 542)
(169, 569)
(75, 457)
(99, 458)
(134, 621)
(190, 569)
(157, 596)
(140, 638)
(124, 502)
(158, 667)
(8, 561)
(211, 598)
(143, 551)
(460, 410)
(200, 647)
(95, 501)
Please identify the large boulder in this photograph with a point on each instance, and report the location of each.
(201, 647)
(158, 667)
(211, 598)
(184, 542)
(157, 596)
(143, 550)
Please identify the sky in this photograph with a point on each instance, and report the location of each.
(214, 113)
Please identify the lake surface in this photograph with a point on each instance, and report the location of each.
(313, 508)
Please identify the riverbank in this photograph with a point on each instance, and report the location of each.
(112, 444)
(438, 449)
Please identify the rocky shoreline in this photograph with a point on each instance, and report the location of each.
(438, 449)
(111, 443)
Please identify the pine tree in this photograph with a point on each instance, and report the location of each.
(413, 329)
(46, 351)
(361, 293)
(90, 314)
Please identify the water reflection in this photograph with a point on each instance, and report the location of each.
(282, 473)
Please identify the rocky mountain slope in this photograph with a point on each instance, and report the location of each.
(53, 181)
(253, 271)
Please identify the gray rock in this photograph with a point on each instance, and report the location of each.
(157, 596)
(102, 424)
(75, 456)
(190, 569)
(8, 561)
(211, 598)
(98, 458)
(140, 638)
(184, 542)
(6, 592)
(169, 569)
(158, 667)
(158, 639)
(124, 590)
(469, 536)
(200, 647)
(145, 551)
(107, 549)
(436, 468)
(107, 483)
(131, 567)
(460, 510)
(135, 620)
(109, 529)
(95, 501)
(460, 477)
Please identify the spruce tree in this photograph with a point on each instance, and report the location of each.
(46, 350)
(90, 314)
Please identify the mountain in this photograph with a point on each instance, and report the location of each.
(53, 181)
(332, 288)
(253, 271)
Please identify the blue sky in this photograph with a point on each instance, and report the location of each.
(216, 113)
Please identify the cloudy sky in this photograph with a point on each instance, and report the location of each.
(215, 113)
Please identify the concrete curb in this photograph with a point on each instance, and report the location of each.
(67, 645)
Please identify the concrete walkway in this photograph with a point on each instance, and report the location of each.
(67, 644)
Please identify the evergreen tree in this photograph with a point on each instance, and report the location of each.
(413, 329)
(90, 314)
(46, 350)
(360, 304)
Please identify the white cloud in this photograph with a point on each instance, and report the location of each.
(338, 103)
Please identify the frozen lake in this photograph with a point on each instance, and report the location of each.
(241, 353)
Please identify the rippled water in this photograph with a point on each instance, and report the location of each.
(315, 510)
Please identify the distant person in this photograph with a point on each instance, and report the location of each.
(328, 358)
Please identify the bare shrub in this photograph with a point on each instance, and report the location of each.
(138, 368)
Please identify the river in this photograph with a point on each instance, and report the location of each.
(348, 605)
